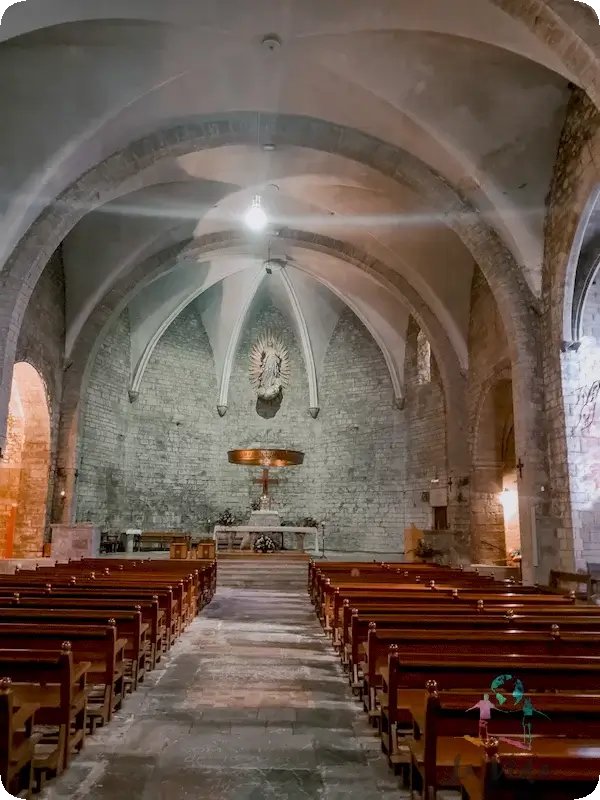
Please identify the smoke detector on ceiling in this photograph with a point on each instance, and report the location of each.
(271, 42)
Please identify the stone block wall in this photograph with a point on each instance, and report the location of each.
(569, 375)
(41, 344)
(101, 483)
(584, 435)
(361, 476)
(425, 435)
(162, 461)
(489, 412)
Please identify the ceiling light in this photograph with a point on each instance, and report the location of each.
(256, 218)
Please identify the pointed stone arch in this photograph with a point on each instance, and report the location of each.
(25, 469)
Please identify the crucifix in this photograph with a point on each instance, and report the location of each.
(265, 500)
(520, 466)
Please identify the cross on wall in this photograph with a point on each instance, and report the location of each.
(520, 467)
(266, 482)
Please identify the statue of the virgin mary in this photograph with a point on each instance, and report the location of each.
(269, 370)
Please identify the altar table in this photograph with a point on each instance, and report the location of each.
(254, 531)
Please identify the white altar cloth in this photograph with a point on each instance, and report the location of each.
(300, 533)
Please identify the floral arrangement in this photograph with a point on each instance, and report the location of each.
(226, 518)
(425, 551)
(255, 504)
(309, 522)
(264, 544)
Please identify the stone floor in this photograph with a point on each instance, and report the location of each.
(251, 705)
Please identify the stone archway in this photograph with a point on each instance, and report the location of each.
(494, 497)
(25, 469)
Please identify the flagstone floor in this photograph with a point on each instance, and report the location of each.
(251, 705)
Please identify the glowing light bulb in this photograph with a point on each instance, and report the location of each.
(256, 218)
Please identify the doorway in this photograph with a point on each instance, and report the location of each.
(25, 468)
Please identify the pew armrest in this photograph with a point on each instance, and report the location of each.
(80, 668)
(24, 713)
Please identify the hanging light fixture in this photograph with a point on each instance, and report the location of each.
(256, 218)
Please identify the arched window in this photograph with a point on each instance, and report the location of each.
(423, 359)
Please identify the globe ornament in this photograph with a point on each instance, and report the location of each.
(505, 686)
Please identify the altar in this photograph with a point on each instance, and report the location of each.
(228, 534)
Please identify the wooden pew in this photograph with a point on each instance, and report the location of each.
(397, 583)
(176, 606)
(128, 623)
(493, 607)
(96, 645)
(17, 742)
(57, 686)
(451, 643)
(164, 598)
(558, 580)
(151, 614)
(404, 597)
(455, 617)
(554, 769)
(203, 573)
(440, 753)
(317, 576)
(406, 678)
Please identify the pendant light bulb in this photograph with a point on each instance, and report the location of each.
(256, 218)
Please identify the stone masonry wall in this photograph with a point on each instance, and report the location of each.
(362, 477)
(574, 455)
(101, 483)
(488, 364)
(584, 435)
(425, 436)
(162, 462)
(42, 342)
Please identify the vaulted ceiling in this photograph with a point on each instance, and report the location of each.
(458, 95)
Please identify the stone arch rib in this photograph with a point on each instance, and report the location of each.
(307, 350)
(233, 344)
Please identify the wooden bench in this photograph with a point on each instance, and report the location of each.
(448, 743)
(57, 687)
(402, 598)
(95, 645)
(164, 598)
(17, 742)
(452, 643)
(177, 616)
(478, 629)
(161, 538)
(573, 580)
(405, 680)
(554, 625)
(128, 623)
(556, 768)
(151, 614)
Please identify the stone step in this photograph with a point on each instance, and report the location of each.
(278, 572)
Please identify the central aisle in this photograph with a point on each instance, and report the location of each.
(251, 705)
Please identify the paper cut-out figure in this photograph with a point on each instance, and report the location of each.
(485, 714)
(528, 711)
